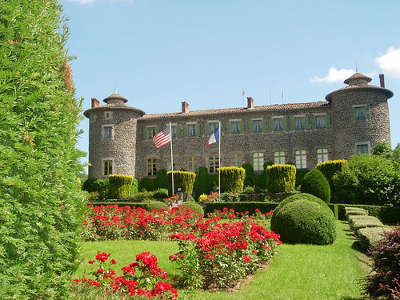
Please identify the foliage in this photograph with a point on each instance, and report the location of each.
(229, 197)
(193, 206)
(230, 213)
(148, 184)
(357, 222)
(250, 177)
(384, 280)
(120, 186)
(134, 187)
(142, 196)
(369, 179)
(316, 184)
(329, 169)
(383, 149)
(295, 197)
(300, 173)
(387, 214)
(202, 183)
(182, 179)
(232, 179)
(99, 186)
(41, 201)
(203, 198)
(162, 179)
(154, 204)
(304, 221)
(249, 190)
(281, 178)
(241, 207)
(369, 236)
(143, 278)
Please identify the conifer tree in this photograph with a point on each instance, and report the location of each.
(40, 199)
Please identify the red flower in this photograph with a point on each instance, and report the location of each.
(113, 261)
(100, 270)
(91, 262)
(246, 258)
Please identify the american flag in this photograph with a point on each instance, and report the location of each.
(162, 138)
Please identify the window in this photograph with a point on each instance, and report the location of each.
(258, 161)
(360, 113)
(151, 131)
(192, 164)
(278, 124)
(322, 155)
(107, 167)
(299, 122)
(107, 115)
(235, 127)
(151, 167)
(212, 127)
(257, 125)
(237, 160)
(301, 159)
(213, 163)
(191, 129)
(320, 121)
(362, 149)
(107, 132)
(279, 157)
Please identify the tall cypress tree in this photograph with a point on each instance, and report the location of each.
(40, 198)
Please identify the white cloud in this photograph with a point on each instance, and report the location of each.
(390, 62)
(334, 75)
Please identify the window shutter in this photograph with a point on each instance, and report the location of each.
(264, 125)
(308, 122)
(367, 112)
(353, 113)
(241, 126)
(284, 123)
(207, 129)
(313, 122)
(328, 121)
(271, 124)
(186, 130)
(292, 123)
(145, 133)
(197, 129)
(228, 128)
(250, 126)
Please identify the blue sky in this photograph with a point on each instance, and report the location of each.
(159, 53)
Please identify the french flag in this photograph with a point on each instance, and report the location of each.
(214, 137)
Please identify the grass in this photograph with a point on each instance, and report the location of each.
(296, 272)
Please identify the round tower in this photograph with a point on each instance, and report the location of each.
(112, 137)
(360, 116)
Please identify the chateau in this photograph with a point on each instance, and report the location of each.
(352, 120)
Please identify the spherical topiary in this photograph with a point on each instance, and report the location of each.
(295, 197)
(194, 207)
(305, 221)
(316, 184)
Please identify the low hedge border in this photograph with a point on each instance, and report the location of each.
(368, 236)
(241, 206)
(387, 214)
(146, 205)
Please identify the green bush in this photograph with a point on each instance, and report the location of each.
(241, 206)
(232, 179)
(300, 173)
(143, 196)
(387, 214)
(148, 184)
(357, 218)
(153, 204)
(193, 206)
(120, 186)
(355, 211)
(368, 179)
(134, 187)
(356, 224)
(203, 183)
(229, 197)
(249, 190)
(304, 221)
(369, 236)
(250, 177)
(182, 179)
(281, 178)
(99, 186)
(329, 169)
(41, 201)
(162, 179)
(316, 184)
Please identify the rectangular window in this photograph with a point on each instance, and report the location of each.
(107, 167)
(279, 157)
(107, 132)
(107, 115)
(191, 129)
(237, 160)
(299, 122)
(235, 127)
(301, 159)
(257, 125)
(258, 161)
(278, 124)
(360, 113)
(213, 163)
(362, 149)
(192, 164)
(151, 131)
(320, 121)
(212, 127)
(322, 155)
(151, 167)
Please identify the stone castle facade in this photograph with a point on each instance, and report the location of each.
(352, 120)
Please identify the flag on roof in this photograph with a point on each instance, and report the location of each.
(214, 137)
(162, 138)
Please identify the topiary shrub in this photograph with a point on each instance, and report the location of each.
(232, 179)
(148, 184)
(281, 178)
(193, 206)
(300, 173)
(304, 221)
(99, 186)
(384, 280)
(250, 177)
(316, 184)
(153, 204)
(202, 183)
(162, 179)
(120, 186)
(134, 187)
(182, 179)
(329, 169)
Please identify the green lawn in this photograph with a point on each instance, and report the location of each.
(296, 272)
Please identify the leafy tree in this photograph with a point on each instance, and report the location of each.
(383, 149)
(41, 202)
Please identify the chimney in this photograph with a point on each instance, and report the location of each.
(185, 107)
(250, 102)
(95, 103)
(382, 80)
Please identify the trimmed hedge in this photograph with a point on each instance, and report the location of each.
(148, 184)
(120, 186)
(330, 168)
(232, 179)
(241, 206)
(148, 205)
(300, 196)
(305, 221)
(387, 214)
(142, 196)
(182, 179)
(316, 184)
(281, 178)
(99, 186)
(363, 223)
(300, 173)
(193, 206)
(369, 236)
(355, 211)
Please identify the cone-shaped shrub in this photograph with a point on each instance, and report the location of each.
(281, 178)
(330, 167)
(182, 179)
(41, 201)
(232, 179)
(316, 184)
(120, 186)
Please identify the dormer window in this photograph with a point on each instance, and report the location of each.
(107, 115)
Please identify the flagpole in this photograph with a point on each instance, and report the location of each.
(219, 159)
(172, 159)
